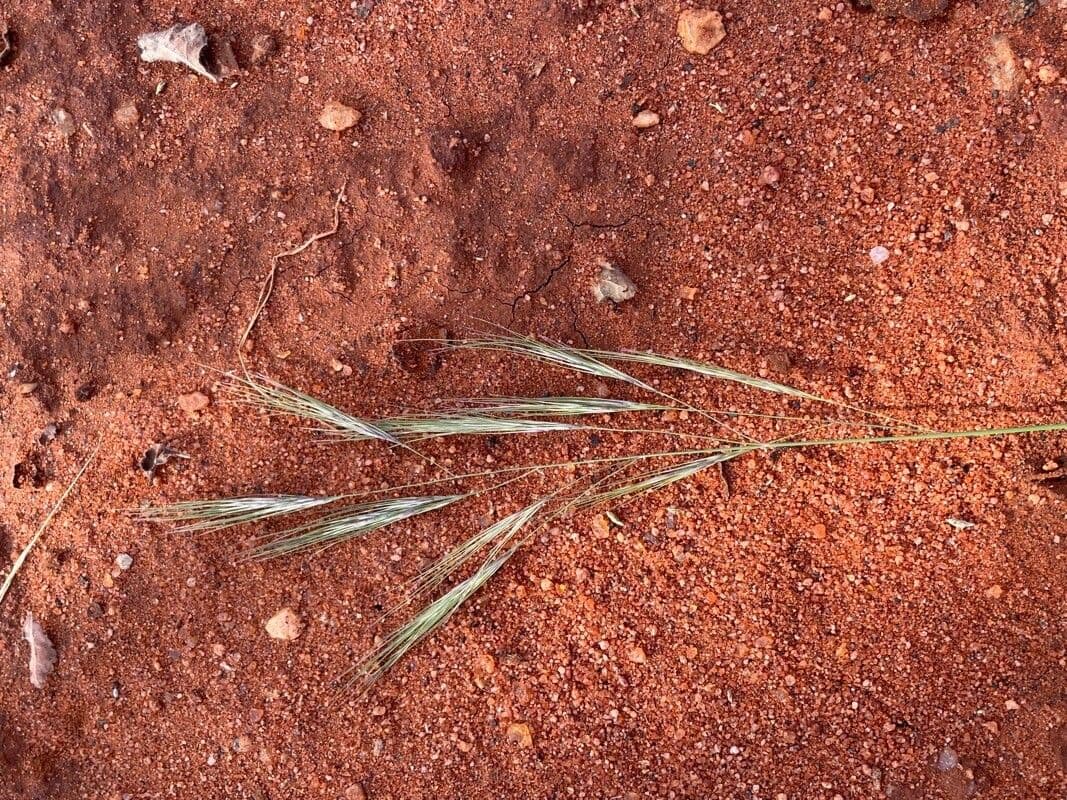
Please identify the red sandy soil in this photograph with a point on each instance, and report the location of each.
(821, 632)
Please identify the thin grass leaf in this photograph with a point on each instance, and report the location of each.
(276, 398)
(347, 523)
(558, 406)
(213, 515)
(550, 353)
(398, 643)
(502, 531)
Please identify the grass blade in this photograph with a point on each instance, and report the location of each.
(22, 556)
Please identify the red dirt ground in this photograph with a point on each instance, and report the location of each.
(820, 633)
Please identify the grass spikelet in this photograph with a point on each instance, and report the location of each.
(347, 523)
(398, 643)
(277, 398)
(558, 406)
(213, 515)
(501, 532)
(550, 353)
(428, 426)
(660, 479)
(705, 369)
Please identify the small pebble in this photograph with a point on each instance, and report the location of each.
(613, 284)
(948, 760)
(63, 121)
(700, 30)
(355, 792)
(124, 561)
(127, 115)
(1048, 74)
(193, 402)
(879, 255)
(519, 733)
(769, 176)
(263, 45)
(645, 119)
(338, 117)
(637, 655)
(285, 626)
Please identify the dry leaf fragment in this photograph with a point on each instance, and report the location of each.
(180, 44)
(42, 653)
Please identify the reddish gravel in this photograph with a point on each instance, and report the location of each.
(820, 632)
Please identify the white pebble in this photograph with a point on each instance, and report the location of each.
(123, 561)
(879, 254)
(948, 760)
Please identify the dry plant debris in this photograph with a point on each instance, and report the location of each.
(9, 579)
(179, 44)
(42, 652)
(708, 441)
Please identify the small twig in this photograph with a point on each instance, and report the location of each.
(33, 541)
(268, 283)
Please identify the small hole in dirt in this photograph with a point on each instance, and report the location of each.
(21, 476)
(419, 349)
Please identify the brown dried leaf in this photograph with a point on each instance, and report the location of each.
(42, 653)
(180, 44)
